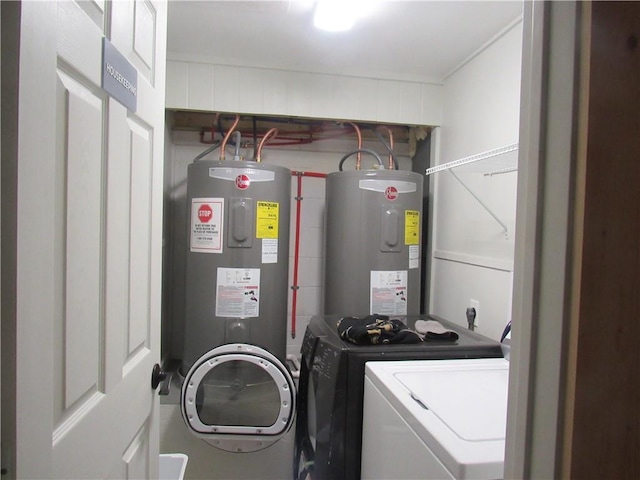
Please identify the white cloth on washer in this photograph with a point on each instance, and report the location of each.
(434, 330)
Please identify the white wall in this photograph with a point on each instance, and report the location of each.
(258, 91)
(321, 157)
(472, 254)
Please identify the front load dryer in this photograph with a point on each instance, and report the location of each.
(442, 419)
(239, 398)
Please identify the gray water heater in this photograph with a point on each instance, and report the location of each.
(236, 284)
(372, 243)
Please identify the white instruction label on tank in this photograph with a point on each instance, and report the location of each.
(207, 225)
(238, 292)
(388, 293)
(414, 256)
(269, 250)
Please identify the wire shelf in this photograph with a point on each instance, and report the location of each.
(499, 160)
(492, 162)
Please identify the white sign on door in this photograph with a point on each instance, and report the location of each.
(207, 225)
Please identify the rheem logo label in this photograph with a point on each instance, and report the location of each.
(391, 193)
(242, 182)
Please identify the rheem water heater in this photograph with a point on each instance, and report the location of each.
(238, 257)
(372, 243)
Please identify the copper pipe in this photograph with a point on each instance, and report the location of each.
(271, 133)
(391, 161)
(213, 131)
(226, 137)
(358, 155)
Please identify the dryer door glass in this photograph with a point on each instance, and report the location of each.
(238, 393)
(238, 389)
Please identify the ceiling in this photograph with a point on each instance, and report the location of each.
(421, 41)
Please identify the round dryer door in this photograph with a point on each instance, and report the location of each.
(239, 398)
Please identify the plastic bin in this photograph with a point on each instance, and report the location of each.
(172, 466)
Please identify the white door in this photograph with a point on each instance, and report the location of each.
(89, 242)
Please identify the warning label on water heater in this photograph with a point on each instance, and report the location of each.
(269, 250)
(207, 224)
(267, 219)
(238, 292)
(388, 292)
(411, 227)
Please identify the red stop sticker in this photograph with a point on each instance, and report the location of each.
(205, 213)
(242, 182)
(391, 193)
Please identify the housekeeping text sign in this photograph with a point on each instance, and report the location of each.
(119, 77)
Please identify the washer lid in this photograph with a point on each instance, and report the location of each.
(470, 400)
(238, 389)
(456, 407)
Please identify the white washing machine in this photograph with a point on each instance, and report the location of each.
(435, 419)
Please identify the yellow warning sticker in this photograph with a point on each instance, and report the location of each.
(267, 219)
(411, 227)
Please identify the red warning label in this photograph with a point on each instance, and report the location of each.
(205, 213)
(207, 225)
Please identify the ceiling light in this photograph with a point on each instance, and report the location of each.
(340, 15)
(332, 16)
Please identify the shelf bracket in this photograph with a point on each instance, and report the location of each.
(502, 224)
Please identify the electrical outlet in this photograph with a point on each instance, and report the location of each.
(475, 304)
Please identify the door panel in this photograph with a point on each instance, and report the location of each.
(90, 213)
(81, 133)
(117, 281)
(136, 456)
(73, 26)
(144, 27)
(134, 36)
(94, 9)
(140, 214)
